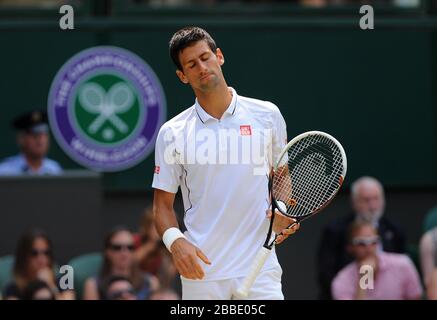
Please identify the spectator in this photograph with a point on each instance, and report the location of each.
(393, 276)
(165, 294)
(33, 3)
(119, 260)
(33, 140)
(314, 3)
(323, 3)
(119, 288)
(151, 253)
(38, 290)
(368, 202)
(34, 261)
(428, 259)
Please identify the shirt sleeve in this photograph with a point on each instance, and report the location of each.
(10, 167)
(52, 167)
(279, 131)
(168, 171)
(57, 169)
(413, 288)
(4, 170)
(343, 286)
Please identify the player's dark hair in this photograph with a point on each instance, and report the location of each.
(187, 37)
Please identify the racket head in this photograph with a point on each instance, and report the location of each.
(308, 174)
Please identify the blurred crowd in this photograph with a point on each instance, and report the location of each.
(310, 3)
(362, 254)
(131, 266)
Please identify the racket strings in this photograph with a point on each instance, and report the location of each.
(308, 189)
(320, 187)
(281, 183)
(322, 191)
(307, 202)
(292, 153)
(315, 165)
(307, 147)
(296, 182)
(319, 184)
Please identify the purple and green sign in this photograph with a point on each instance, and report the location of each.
(105, 107)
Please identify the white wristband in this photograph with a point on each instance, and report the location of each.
(171, 235)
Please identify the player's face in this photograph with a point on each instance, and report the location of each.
(35, 145)
(201, 68)
(369, 202)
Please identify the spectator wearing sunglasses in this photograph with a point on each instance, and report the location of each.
(119, 288)
(368, 204)
(119, 260)
(34, 261)
(375, 275)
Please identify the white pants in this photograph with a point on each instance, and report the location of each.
(267, 286)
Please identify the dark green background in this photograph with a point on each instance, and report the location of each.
(373, 90)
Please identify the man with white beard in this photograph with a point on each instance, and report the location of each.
(368, 200)
(368, 204)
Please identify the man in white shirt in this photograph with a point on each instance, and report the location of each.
(220, 152)
(34, 141)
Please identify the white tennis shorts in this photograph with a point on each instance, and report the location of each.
(267, 286)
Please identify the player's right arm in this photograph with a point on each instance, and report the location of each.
(185, 254)
(166, 181)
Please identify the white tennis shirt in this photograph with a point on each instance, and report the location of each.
(222, 168)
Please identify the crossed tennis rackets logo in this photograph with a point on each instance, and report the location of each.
(106, 105)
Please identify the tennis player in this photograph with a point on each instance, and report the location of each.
(225, 203)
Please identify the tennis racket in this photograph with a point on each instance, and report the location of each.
(309, 173)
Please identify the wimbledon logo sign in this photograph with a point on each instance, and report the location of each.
(105, 107)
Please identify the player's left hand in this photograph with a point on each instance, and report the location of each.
(280, 225)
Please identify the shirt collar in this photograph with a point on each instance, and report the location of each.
(205, 116)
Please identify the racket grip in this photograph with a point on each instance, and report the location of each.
(257, 264)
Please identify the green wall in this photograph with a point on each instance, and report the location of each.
(373, 90)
